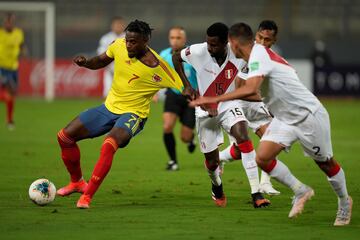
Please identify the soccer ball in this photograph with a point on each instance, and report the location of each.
(42, 191)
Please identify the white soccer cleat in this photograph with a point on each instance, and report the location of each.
(268, 189)
(343, 215)
(299, 202)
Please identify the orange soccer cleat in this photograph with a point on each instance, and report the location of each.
(84, 202)
(72, 187)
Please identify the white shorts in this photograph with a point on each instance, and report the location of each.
(210, 128)
(313, 134)
(257, 114)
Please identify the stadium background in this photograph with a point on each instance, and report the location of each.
(302, 24)
(139, 199)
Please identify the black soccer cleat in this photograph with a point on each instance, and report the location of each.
(259, 201)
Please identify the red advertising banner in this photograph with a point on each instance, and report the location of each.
(70, 80)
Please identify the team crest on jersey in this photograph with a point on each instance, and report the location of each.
(156, 78)
(187, 51)
(229, 74)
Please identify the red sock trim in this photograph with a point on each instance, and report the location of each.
(112, 142)
(270, 166)
(64, 138)
(246, 147)
(334, 170)
(233, 153)
(211, 166)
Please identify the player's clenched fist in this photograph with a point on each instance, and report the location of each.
(80, 61)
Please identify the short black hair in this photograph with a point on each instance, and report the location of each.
(268, 25)
(219, 30)
(241, 30)
(140, 27)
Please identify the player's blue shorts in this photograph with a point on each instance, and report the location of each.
(100, 120)
(9, 78)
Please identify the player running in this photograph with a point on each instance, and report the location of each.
(139, 74)
(176, 105)
(255, 111)
(216, 67)
(298, 115)
(11, 46)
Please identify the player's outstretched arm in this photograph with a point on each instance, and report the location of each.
(239, 82)
(250, 88)
(188, 90)
(93, 63)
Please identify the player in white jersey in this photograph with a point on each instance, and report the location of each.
(117, 31)
(216, 68)
(256, 112)
(298, 115)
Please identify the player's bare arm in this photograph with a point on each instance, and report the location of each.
(250, 89)
(239, 82)
(93, 63)
(188, 90)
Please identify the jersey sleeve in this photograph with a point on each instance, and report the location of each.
(259, 62)
(110, 50)
(243, 71)
(194, 54)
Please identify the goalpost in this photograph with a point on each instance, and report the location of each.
(49, 10)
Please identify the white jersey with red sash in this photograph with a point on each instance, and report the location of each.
(213, 79)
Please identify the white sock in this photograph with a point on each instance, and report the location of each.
(251, 169)
(225, 154)
(265, 178)
(215, 176)
(282, 173)
(338, 183)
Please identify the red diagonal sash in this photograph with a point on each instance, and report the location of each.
(222, 82)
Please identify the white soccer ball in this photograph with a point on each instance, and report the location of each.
(42, 192)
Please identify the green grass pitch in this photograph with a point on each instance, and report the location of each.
(140, 200)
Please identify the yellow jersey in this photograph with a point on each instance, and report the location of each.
(135, 83)
(10, 47)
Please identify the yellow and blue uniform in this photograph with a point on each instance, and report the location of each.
(134, 85)
(10, 48)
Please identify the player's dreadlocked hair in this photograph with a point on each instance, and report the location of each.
(139, 27)
(219, 30)
(268, 25)
(241, 31)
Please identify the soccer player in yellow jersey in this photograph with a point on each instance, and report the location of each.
(11, 45)
(139, 73)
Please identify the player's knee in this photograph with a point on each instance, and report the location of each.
(262, 160)
(186, 137)
(168, 128)
(121, 137)
(329, 167)
(64, 139)
(240, 138)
